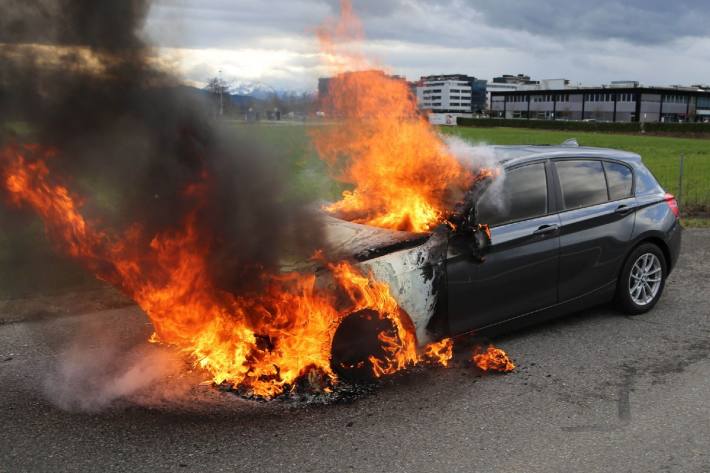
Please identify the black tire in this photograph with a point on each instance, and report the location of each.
(355, 340)
(627, 298)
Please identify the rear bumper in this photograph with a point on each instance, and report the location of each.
(674, 241)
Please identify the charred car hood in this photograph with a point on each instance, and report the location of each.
(362, 242)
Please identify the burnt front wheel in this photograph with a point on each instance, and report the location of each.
(355, 341)
(642, 279)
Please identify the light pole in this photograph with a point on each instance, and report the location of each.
(221, 99)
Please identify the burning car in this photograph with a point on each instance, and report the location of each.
(422, 245)
(570, 227)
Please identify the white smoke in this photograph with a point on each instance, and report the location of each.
(477, 157)
(96, 370)
(473, 156)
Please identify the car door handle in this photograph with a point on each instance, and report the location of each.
(623, 209)
(546, 229)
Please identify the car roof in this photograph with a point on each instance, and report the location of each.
(509, 155)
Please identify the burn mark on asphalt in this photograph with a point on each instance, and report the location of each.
(694, 352)
(623, 406)
(624, 402)
(672, 362)
(591, 428)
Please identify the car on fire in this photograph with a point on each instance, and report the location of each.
(570, 227)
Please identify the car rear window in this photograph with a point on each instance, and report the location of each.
(583, 183)
(645, 182)
(619, 179)
(523, 195)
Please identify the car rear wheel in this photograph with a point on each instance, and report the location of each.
(642, 280)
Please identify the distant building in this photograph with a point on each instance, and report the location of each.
(454, 94)
(506, 83)
(545, 84)
(520, 79)
(620, 101)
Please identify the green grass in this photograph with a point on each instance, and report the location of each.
(660, 154)
(696, 222)
(17, 128)
(29, 265)
(291, 145)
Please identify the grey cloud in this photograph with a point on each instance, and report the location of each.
(221, 23)
(454, 23)
(590, 42)
(634, 21)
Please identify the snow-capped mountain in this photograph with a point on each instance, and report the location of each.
(256, 89)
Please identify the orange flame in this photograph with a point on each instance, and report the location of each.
(403, 175)
(440, 352)
(403, 178)
(493, 359)
(262, 343)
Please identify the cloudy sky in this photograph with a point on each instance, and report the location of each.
(657, 42)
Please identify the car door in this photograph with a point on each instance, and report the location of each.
(519, 271)
(597, 220)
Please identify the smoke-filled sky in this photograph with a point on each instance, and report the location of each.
(654, 41)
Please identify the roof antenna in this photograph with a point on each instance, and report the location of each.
(572, 143)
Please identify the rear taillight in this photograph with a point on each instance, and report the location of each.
(673, 204)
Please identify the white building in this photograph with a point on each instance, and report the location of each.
(445, 94)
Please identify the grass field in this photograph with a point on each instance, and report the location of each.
(291, 144)
(661, 154)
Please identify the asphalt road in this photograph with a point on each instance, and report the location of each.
(595, 391)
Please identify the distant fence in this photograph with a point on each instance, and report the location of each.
(687, 178)
(630, 127)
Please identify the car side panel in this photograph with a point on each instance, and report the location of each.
(592, 299)
(594, 242)
(654, 219)
(518, 275)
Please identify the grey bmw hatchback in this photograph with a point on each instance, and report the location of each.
(563, 228)
(570, 227)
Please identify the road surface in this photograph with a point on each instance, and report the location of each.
(595, 391)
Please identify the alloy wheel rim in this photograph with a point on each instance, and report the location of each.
(645, 279)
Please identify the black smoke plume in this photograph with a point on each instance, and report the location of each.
(79, 74)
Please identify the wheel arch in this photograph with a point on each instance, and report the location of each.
(653, 239)
(356, 339)
(659, 242)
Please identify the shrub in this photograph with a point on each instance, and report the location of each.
(628, 127)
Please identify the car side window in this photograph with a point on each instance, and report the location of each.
(619, 179)
(521, 196)
(582, 183)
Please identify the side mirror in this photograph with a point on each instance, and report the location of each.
(481, 242)
(469, 235)
(474, 239)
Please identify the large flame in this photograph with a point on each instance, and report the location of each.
(403, 175)
(262, 342)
